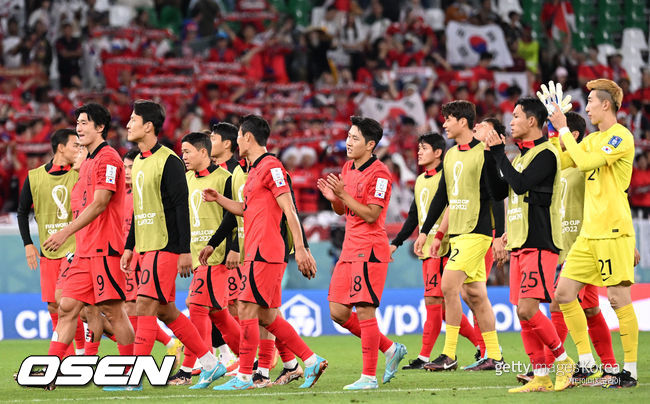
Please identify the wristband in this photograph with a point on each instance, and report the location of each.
(564, 131)
(439, 235)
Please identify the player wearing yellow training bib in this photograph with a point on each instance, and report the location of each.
(603, 253)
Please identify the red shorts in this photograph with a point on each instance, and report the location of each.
(432, 269)
(531, 274)
(133, 279)
(235, 284)
(94, 280)
(209, 286)
(358, 282)
(62, 275)
(158, 275)
(50, 270)
(262, 283)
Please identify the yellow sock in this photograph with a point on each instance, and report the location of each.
(492, 344)
(629, 332)
(576, 322)
(451, 340)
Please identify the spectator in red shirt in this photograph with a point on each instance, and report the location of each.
(222, 52)
(640, 186)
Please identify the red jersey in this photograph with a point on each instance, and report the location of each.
(263, 241)
(128, 211)
(103, 169)
(370, 184)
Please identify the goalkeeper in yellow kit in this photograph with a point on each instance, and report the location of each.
(603, 254)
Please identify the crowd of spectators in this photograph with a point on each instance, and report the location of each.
(307, 70)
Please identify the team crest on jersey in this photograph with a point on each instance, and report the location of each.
(615, 141)
(607, 149)
(111, 173)
(381, 187)
(276, 173)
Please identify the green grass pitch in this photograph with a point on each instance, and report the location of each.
(344, 356)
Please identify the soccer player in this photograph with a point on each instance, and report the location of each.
(267, 198)
(571, 207)
(603, 253)
(174, 346)
(208, 297)
(465, 188)
(48, 188)
(161, 232)
(431, 148)
(97, 200)
(223, 137)
(361, 192)
(532, 184)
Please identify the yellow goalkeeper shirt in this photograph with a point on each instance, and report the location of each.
(606, 158)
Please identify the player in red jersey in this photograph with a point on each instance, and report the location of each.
(361, 192)
(174, 346)
(267, 203)
(161, 233)
(94, 277)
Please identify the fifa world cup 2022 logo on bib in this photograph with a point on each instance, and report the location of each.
(142, 218)
(59, 197)
(457, 204)
(240, 198)
(195, 202)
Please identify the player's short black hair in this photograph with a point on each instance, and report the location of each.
(96, 113)
(532, 106)
(198, 140)
(575, 122)
(370, 129)
(131, 154)
(460, 109)
(61, 136)
(150, 112)
(258, 127)
(496, 124)
(227, 131)
(433, 139)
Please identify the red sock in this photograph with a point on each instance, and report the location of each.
(125, 350)
(145, 335)
(369, 346)
(55, 320)
(431, 329)
(601, 338)
(70, 350)
(228, 327)
(134, 322)
(187, 333)
(557, 318)
(236, 319)
(467, 331)
(91, 348)
(287, 334)
(533, 345)
(266, 353)
(199, 317)
(80, 335)
(479, 337)
(353, 326)
(58, 349)
(250, 339)
(546, 333)
(162, 336)
(285, 353)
